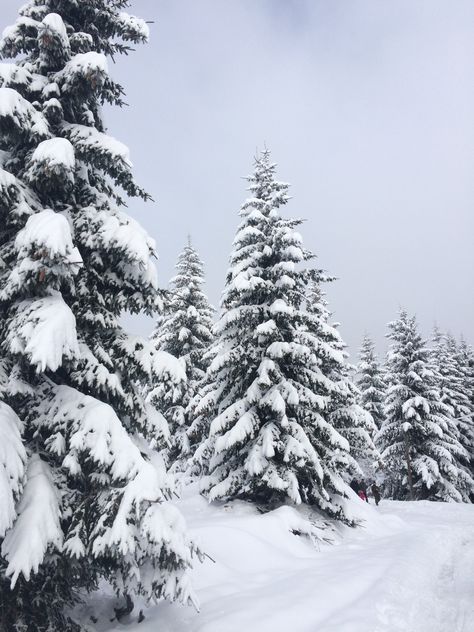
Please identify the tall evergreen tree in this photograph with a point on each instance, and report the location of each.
(185, 332)
(455, 363)
(465, 357)
(418, 440)
(83, 496)
(445, 356)
(371, 382)
(260, 425)
(342, 410)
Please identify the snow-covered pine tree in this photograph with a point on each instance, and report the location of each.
(418, 441)
(342, 410)
(83, 495)
(353, 422)
(464, 355)
(185, 332)
(445, 357)
(260, 425)
(370, 381)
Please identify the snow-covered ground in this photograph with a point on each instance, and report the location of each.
(410, 568)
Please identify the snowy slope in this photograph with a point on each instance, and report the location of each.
(410, 568)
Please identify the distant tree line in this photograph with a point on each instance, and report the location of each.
(276, 412)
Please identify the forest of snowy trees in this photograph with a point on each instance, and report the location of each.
(257, 399)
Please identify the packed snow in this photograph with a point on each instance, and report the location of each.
(13, 74)
(134, 24)
(125, 233)
(409, 567)
(88, 139)
(54, 23)
(84, 64)
(37, 527)
(55, 151)
(21, 113)
(12, 465)
(12, 31)
(49, 231)
(44, 330)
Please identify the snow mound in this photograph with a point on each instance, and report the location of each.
(88, 139)
(126, 234)
(21, 114)
(13, 31)
(84, 64)
(165, 364)
(54, 22)
(48, 231)
(12, 465)
(7, 179)
(37, 527)
(12, 74)
(133, 25)
(280, 307)
(14, 192)
(55, 151)
(43, 330)
(408, 567)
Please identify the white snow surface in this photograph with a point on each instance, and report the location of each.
(22, 113)
(48, 231)
(44, 330)
(126, 233)
(137, 24)
(55, 151)
(12, 465)
(37, 527)
(54, 22)
(408, 568)
(89, 139)
(166, 364)
(12, 73)
(86, 63)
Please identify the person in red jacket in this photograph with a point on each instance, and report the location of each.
(363, 495)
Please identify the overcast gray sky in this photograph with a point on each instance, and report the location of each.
(367, 107)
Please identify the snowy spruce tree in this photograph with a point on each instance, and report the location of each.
(83, 496)
(343, 410)
(371, 382)
(464, 355)
(445, 356)
(185, 332)
(418, 438)
(259, 427)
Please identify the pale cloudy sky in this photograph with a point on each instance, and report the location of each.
(367, 107)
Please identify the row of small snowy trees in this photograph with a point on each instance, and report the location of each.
(276, 415)
(422, 402)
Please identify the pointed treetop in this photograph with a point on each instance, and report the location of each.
(268, 193)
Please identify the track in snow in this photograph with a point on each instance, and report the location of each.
(410, 569)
